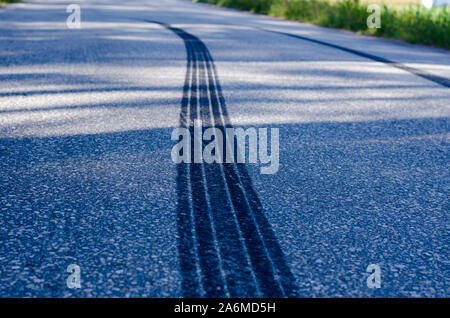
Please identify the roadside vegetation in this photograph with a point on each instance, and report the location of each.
(3, 2)
(409, 22)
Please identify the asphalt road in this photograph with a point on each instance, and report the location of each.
(86, 176)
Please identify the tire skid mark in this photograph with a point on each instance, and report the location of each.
(234, 256)
(209, 259)
(226, 245)
(282, 270)
(445, 82)
(186, 243)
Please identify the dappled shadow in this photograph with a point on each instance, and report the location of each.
(86, 174)
(101, 201)
(93, 200)
(354, 194)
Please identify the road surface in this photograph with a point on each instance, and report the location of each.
(86, 117)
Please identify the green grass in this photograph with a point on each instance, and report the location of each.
(411, 23)
(3, 2)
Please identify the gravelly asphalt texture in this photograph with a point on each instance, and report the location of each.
(86, 177)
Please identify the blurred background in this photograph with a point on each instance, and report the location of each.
(414, 21)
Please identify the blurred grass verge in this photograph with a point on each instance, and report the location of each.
(3, 2)
(409, 22)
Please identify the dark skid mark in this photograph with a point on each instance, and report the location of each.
(226, 245)
(434, 78)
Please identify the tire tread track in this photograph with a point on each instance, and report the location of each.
(445, 82)
(237, 252)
